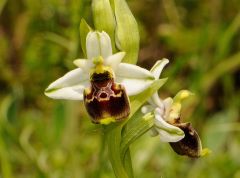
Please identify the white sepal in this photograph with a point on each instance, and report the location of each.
(166, 131)
(135, 79)
(70, 86)
(158, 67)
(69, 93)
(133, 71)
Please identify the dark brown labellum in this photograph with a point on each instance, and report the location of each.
(190, 145)
(106, 99)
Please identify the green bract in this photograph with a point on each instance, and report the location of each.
(116, 19)
(127, 35)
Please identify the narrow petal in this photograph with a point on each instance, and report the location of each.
(70, 86)
(167, 106)
(158, 67)
(92, 45)
(146, 109)
(84, 64)
(105, 45)
(156, 71)
(168, 103)
(134, 78)
(167, 132)
(114, 60)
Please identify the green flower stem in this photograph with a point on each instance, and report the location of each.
(127, 161)
(113, 135)
(5, 164)
(101, 157)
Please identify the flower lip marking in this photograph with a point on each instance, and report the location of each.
(190, 145)
(105, 99)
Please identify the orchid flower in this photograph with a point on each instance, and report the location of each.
(182, 137)
(94, 81)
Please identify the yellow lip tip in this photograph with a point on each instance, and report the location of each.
(205, 152)
(107, 120)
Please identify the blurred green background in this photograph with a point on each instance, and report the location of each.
(41, 137)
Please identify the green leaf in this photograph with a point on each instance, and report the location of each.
(104, 19)
(84, 30)
(136, 127)
(224, 45)
(2, 4)
(225, 66)
(127, 35)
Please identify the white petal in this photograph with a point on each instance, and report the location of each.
(114, 60)
(166, 131)
(84, 64)
(134, 78)
(105, 45)
(92, 45)
(146, 109)
(167, 106)
(70, 86)
(168, 102)
(158, 67)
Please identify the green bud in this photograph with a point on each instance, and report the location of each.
(104, 19)
(127, 35)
